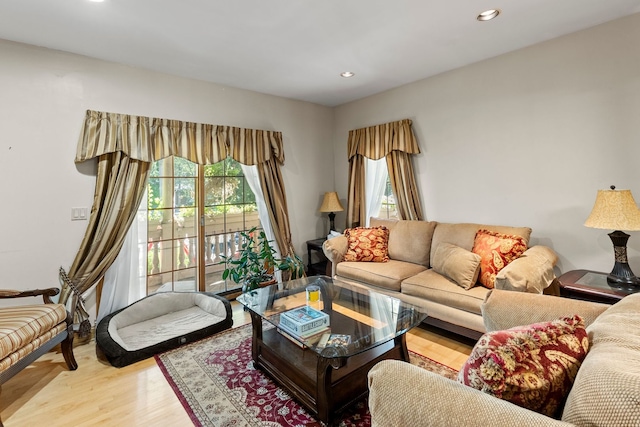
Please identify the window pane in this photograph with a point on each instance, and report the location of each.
(163, 167)
(183, 167)
(185, 192)
(233, 190)
(213, 191)
(232, 168)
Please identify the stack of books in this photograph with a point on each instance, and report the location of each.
(303, 323)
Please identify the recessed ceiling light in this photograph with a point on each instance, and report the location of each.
(488, 15)
(347, 74)
(96, 1)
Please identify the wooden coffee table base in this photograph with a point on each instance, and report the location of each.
(326, 387)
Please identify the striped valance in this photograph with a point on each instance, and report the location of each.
(150, 139)
(375, 142)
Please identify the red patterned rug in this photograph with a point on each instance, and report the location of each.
(218, 386)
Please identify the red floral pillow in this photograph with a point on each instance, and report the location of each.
(367, 244)
(531, 366)
(496, 251)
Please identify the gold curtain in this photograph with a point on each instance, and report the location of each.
(396, 142)
(125, 146)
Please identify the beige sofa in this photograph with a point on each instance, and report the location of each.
(408, 274)
(606, 391)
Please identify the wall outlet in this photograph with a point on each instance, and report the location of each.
(79, 214)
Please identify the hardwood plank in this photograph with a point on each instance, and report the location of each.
(97, 394)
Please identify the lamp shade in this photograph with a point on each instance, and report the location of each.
(614, 210)
(331, 203)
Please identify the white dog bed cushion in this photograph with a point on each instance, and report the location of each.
(160, 322)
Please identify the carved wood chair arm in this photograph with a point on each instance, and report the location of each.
(46, 294)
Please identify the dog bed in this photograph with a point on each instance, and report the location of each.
(160, 322)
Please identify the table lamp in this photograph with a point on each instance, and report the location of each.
(617, 210)
(331, 203)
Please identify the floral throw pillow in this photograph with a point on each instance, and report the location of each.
(496, 251)
(531, 366)
(367, 244)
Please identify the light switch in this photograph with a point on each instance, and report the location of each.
(78, 214)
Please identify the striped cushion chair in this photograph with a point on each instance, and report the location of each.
(29, 331)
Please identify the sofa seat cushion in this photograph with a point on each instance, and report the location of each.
(388, 275)
(607, 387)
(20, 326)
(437, 288)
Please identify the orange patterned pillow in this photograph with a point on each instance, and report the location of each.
(531, 366)
(367, 244)
(496, 251)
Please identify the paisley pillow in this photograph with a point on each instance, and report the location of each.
(367, 244)
(496, 251)
(531, 366)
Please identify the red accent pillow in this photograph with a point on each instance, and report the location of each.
(496, 251)
(531, 366)
(367, 244)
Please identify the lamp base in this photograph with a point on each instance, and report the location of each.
(621, 275)
(332, 221)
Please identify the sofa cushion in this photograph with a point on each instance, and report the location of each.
(532, 366)
(460, 265)
(367, 244)
(464, 234)
(386, 275)
(607, 387)
(496, 250)
(434, 287)
(532, 272)
(21, 325)
(409, 241)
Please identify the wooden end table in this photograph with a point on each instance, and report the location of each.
(321, 267)
(591, 286)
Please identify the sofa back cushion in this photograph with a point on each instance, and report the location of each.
(464, 234)
(607, 386)
(409, 241)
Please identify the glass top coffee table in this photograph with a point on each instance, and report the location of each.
(365, 327)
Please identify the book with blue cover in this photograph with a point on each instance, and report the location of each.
(304, 321)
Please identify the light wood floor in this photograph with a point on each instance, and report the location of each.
(97, 394)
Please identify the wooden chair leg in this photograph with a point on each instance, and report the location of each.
(67, 351)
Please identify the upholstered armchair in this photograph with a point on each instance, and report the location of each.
(29, 331)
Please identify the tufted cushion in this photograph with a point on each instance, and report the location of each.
(531, 366)
(496, 250)
(367, 244)
(457, 264)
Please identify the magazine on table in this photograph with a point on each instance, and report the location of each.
(334, 340)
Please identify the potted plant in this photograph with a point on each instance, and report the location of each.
(254, 264)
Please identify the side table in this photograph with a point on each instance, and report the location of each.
(322, 266)
(591, 286)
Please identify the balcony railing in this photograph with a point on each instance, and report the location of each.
(175, 260)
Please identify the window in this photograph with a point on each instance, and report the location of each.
(388, 206)
(195, 214)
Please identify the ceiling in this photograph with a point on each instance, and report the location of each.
(298, 48)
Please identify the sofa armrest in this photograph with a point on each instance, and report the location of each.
(531, 272)
(335, 249)
(506, 309)
(46, 294)
(401, 394)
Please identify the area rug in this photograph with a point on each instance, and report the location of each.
(218, 386)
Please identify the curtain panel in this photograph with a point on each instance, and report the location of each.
(396, 142)
(125, 146)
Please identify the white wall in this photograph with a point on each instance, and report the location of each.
(526, 138)
(43, 98)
